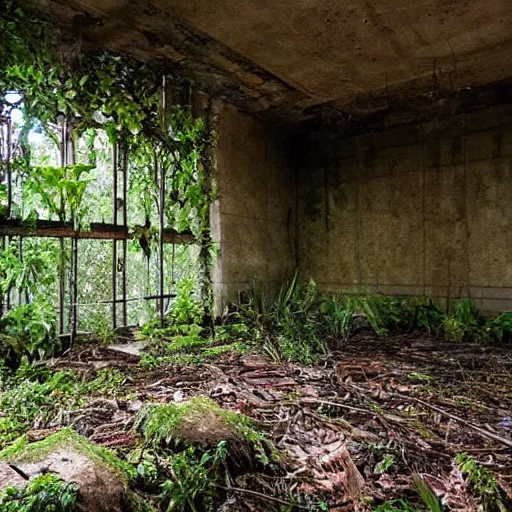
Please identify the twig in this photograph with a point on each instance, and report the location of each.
(483, 432)
(262, 496)
(314, 401)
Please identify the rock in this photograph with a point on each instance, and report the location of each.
(134, 348)
(102, 485)
(201, 422)
(198, 421)
(9, 477)
(206, 428)
(134, 406)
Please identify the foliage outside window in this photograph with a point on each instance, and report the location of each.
(99, 99)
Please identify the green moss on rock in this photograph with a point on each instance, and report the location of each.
(22, 450)
(101, 478)
(199, 421)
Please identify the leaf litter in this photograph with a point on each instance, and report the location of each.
(355, 430)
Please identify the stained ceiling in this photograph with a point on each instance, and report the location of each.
(293, 57)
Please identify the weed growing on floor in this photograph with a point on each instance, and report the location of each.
(34, 395)
(427, 494)
(338, 315)
(107, 382)
(187, 344)
(482, 484)
(28, 331)
(385, 464)
(204, 354)
(45, 493)
(395, 506)
(194, 476)
(27, 400)
(501, 327)
(301, 323)
(289, 327)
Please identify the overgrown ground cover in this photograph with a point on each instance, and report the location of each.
(307, 402)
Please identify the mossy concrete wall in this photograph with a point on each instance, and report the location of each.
(253, 216)
(422, 210)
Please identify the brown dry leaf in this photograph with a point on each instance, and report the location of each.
(351, 479)
(453, 490)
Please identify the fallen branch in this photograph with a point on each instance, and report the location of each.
(483, 432)
(262, 496)
(314, 401)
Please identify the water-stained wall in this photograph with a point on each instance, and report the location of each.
(252, 217)
(422, 209)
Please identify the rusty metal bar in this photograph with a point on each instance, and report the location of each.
(161, 223)
(97, 231)
(8, 168)
(124, 165)
(129, 299)
(8, 297)
(20, 255)
(2, 296)
(172, 283)
(74, 289)
(114, 242)
(62, 244)
(161, 264)
(74, 254)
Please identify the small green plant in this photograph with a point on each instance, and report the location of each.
(466, 321)
(427, 494)
(194, 478)
(45, 493)
(28, 330)
(384, 464)
(185, 309)
(419, 377)
(428, 316)
(387, 314)
(501, 327)
(107, 382)
(338, 315)
(454, 329)
(290, 327)
(235, 331)
(28, 395)
(395, 506)
(147, 473)
(482, 484)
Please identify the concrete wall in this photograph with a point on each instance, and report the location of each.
(253, 217)
(416, 210)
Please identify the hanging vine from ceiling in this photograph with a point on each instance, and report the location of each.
(120, 95)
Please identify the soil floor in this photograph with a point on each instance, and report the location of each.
(355, 427)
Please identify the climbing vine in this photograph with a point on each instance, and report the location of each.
(59, 87)
(102, 91)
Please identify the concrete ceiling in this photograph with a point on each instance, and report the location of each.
(294, 56)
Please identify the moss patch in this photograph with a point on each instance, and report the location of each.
(101, 478)
(66, 438)
(199, 421)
